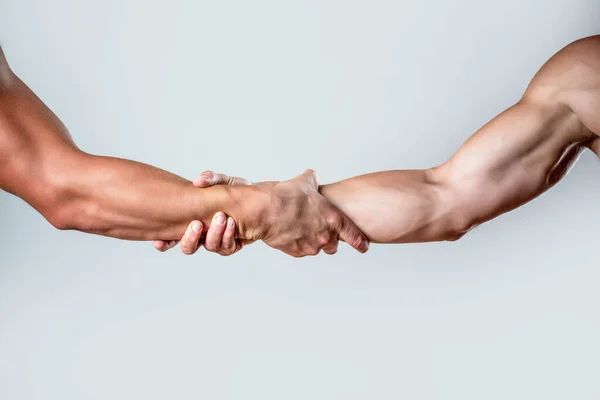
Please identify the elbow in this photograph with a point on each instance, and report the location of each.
(64, 217)
(62, 211)
(454, 217)
(57, 220)
(462, 221)
(66, 207)
(51, 191)
(455, 234)
(458, 231)
(75, 214)
(460, 224)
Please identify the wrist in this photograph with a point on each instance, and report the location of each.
(253, 210)
(332, 193)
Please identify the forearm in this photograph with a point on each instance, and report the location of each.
(129, 200)
(125, 199)
(398, 206)
(40, 163)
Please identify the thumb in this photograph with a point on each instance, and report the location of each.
(310, 177)
(210, 178)
(349, 233)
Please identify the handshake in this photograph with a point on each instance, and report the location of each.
(290, 216)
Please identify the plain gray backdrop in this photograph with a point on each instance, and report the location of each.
(265, 89)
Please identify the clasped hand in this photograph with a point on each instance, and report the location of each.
(298, 221)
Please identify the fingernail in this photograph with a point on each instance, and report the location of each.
(220, 219)
(230, 222)
(196, 226)
(203, 180)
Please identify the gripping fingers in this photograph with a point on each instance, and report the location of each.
(210, 178)
(349, 233)
(310, 177)
(228, 242)
(163, 246)
(212, 242)
(331, 248)
(190, 242)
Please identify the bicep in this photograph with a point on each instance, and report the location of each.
(512, 159)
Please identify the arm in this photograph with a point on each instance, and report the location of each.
(102, 195)
(510, 161)
(40, 163)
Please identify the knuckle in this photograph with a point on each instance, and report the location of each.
(334, 219)
(323, 241)
(312, 251)
(210, 247)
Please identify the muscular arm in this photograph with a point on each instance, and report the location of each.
(511, 160)
(40, 163)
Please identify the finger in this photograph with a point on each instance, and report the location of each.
(331, 248)
(241, 243)
(210, 178)
(228, 242)
(159, 245)
(222, 179)
(163, 246)
(212, 242)
(311, 251)
(310, 176)
(349, 233)
(203, 180)
(172, 243)
(191, 238)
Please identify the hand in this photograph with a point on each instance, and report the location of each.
(301, 222)
(220, 237)
(298, 220)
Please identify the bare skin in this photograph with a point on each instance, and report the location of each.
(40, 163)
(514, 158)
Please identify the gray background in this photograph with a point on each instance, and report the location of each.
(265, 89)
